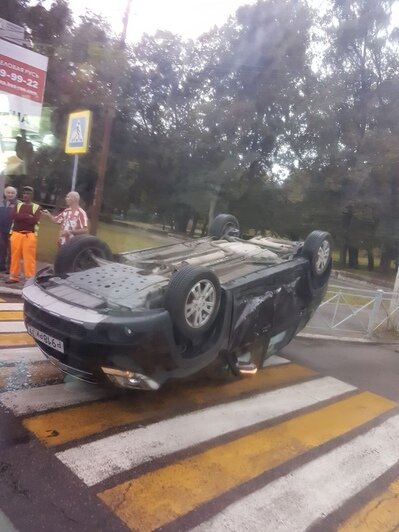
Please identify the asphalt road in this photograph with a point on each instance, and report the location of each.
(309, 443)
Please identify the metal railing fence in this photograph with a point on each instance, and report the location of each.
(357, 311)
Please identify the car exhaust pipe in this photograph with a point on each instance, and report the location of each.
(130, 379)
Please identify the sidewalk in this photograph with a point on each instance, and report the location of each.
(16, 289)
(355, 324)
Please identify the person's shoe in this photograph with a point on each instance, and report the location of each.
(12, 281)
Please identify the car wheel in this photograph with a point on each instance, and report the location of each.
(222, 225)
(78, 254)
(317, 248)
(193, 300)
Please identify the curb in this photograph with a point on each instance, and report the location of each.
(345, 339)
(5, 290)
(337, 338)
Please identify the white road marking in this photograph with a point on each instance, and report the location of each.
(11, 306)
(5, 523)
(275, 360)
(96, 461)
(297, 500)
(12, 326)
(23, 402)
(21, 354)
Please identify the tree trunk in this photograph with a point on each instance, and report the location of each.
(385, 259)
(212, 207)
(353, 257)
(181, 221)
(342, 255)
(195, 221)
(356, 256)
(370, 258)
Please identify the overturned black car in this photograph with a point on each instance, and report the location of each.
(140, 318)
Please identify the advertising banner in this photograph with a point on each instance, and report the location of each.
(22, 83)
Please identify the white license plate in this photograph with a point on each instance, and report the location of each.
(45, 338)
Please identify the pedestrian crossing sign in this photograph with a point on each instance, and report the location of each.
(78, 132)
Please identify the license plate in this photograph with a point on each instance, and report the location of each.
(45, 338)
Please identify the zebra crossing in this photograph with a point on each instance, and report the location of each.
(288, 449)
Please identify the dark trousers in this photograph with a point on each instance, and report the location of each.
(5, 251)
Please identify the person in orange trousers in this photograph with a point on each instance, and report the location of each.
(23, 239)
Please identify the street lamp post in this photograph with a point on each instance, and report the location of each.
(108, 121)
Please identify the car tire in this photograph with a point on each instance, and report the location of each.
(222, 224)
(193, 300)
(77, 254)
(317, 249)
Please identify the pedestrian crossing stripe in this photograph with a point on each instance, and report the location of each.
(86, 420)
(381, 513)
(12, 355)
(207, 475)
(262, 473)
(11, 306)
(16, 339)
(23, 375)
(31, 400)
(112, 454)
(11, 315)
(12, 327)
(301, 498)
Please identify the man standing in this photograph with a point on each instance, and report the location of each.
(6, 210)
(23, 239)
(72, 220)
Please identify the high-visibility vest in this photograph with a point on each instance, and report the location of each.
(35, 207)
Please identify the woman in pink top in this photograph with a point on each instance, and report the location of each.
(72, 220)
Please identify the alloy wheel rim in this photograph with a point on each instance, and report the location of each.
(84, 260)
(200, 304)
(323, 256)
(228, 228)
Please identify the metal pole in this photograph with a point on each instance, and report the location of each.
(394, 304)
(109, 118)
(75, 171)
(374, 311)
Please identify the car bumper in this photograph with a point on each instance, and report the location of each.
(132, 350)
(139, 344)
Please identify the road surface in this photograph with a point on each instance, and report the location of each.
(310, 442)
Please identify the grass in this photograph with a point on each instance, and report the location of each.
(118, 238)
(362, 271)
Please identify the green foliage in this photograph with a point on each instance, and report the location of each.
(286, 119)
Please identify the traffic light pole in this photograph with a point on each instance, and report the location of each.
(108, 121)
